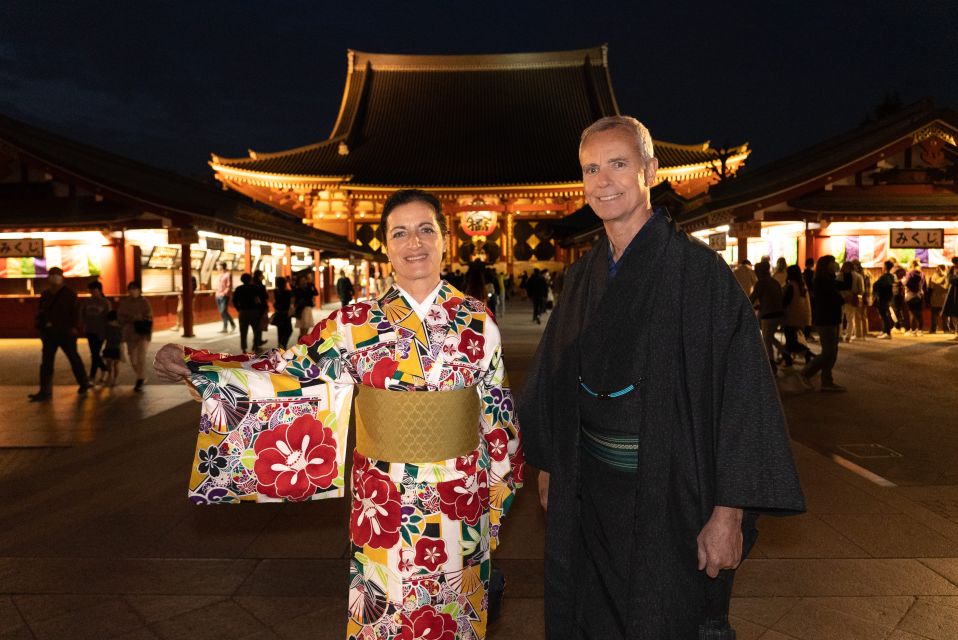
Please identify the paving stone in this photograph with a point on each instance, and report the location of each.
(523, 533)
(298, 577)
(520, 619)
(931, 620)
(139, 634)
(762, 611)
(10, 619)
(310, 530)
(775, 635)
(37, 608)
(824, 495)
(523, 577)
(272, 611)
(947, 567)
(156, 608)
(221, 531)
(904, 635)
(839, 577)
(328, 622)
(123, 575)
(885, 611)
(813, 620)
(805, 536)
(107, 619)
(745, 630)
(891, 535)
(224, 620)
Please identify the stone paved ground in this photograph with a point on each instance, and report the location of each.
(97, 540)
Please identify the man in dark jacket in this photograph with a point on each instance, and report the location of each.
(538, 290)
(249, 299)
(884, 289)
(653, 413)
(57, 320)
(827, 318)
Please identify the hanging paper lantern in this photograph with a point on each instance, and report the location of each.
(478, 223)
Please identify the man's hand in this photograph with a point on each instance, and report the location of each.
(720, 541)
(168, 364)
(544, 490)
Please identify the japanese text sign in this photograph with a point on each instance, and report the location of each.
(21, 248)
(916, 238)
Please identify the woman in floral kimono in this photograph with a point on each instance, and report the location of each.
(431, 479)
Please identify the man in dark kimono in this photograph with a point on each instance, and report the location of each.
(652, 410)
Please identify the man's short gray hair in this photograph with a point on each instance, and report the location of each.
(643, 139)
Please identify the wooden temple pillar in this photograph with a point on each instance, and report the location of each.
(248, 256)
(317, 277)
(288, 271)
(186, 275)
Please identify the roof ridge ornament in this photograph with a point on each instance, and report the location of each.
(343, 149)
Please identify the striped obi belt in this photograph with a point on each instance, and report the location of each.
(616, 449)
(416, 426)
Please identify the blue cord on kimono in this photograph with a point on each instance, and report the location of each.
(613, 394)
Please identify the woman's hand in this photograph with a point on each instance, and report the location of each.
(168, 364)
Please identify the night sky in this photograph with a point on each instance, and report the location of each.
(169, 82)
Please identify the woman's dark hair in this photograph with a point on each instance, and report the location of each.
(794, 274)
(246, 278)
(280, 282)
(405, 196)
(95, 284)
(133, 285)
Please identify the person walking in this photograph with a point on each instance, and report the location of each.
(827, 318)
(745, 276)
(780, 275)
(262, 296)
(94, 312)
(949, 310)
(851, 301)
(224, 289)
(808, 275)
(136, 319)
(344, 288)
(304, 297)
(112, 348)
(914, 287)
(937, 293)
(282, 306)
(249, 306)
(538, 290)
(861, 311)
(796, 302)
(884, 290)
(767, 297)
(57, 317)
(898, 298)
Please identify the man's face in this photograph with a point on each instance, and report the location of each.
(56, 279)
(615, 180)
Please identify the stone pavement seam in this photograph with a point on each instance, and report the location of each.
(23, 618)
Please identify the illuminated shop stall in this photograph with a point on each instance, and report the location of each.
(101, 216)
(493, 136)
(886, 189)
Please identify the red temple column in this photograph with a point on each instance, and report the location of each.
(186, 272)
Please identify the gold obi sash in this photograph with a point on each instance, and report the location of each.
(416, 426)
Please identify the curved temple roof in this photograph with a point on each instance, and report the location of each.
(451, 121)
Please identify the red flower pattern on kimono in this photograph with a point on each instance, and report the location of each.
(466, 498)
(518, 465)
(452, 306)
(313, 336)
(467, 463)
(296, 459)
(428, 624)
(377, 512)
(471, 345)
(381, 371)
(355, 314)
(430, 553)
(497, 442)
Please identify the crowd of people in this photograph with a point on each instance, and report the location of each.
(828, 303)
(62, 318)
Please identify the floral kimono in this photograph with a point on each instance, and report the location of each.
(421, 533)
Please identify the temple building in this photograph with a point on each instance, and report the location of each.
(886, 189)
(495, 137)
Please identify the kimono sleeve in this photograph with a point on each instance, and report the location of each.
(500, 431)
(754, 468)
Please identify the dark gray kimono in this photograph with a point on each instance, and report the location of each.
(707, 413)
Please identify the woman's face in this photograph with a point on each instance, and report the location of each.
(414, 243)
(134, 292)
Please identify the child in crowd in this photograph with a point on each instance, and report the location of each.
(111, 350)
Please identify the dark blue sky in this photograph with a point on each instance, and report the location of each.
(170, 82)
